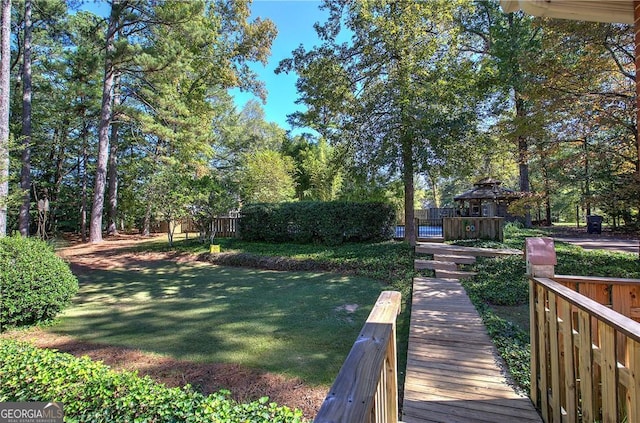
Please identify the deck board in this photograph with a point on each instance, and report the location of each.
(453, 372)
(447, 249)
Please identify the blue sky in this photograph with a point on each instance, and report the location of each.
(294, 20)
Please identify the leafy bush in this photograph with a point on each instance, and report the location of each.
(92, 392)
(35, 284)
(328, 223)
(513, 345)
(573, 260)
(500, 281)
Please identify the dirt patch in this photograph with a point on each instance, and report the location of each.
(245, 384)
(349, 308)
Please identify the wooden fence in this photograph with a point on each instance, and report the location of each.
(472, 228)
(226, 227)
(366, 388)
(585, 348)
(431, 213)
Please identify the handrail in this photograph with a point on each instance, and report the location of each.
(366, 388)
(595, 279)
(585, 357)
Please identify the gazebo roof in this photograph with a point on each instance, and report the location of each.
(488, 189)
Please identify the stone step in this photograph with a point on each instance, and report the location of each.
(434, 264)
(460, 259)
(454, 274)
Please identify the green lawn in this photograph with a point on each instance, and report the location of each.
(293, 323)
(389, 262)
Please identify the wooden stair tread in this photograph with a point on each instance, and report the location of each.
(436, 248)
(435, 264)
(460, 259)
(454, 274)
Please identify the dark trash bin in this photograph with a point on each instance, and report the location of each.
(594, 224)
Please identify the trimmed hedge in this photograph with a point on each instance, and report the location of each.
(92, 392)
(35, 284)
(328, 223)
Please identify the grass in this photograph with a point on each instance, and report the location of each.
(389, 262)
(292, 323)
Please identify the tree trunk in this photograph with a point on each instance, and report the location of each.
(61, 156)
(25, 173)
(636, 20)
(587, 178)
(407, 177)
(146, 224)
(170, 232)
(95, 229)
(112, 228)
(434, 190)
(5, 56)
(523, 157)
(83, 204)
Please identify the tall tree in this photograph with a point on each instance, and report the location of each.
(95, 228)
(179, 55)
(5, 59)
(112, 226)
(508, 45)
(25, 175)
(268, 177)
(387, 92)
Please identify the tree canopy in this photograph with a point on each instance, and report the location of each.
(128, 118)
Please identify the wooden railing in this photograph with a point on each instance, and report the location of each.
(585, 346)
(366, 388)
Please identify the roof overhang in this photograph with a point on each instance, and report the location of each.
(612, 11)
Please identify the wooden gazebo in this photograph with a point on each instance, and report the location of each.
(487, 198)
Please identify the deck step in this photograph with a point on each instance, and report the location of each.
(460, 259)
(437, 248)
(434, 265)
(454, 274)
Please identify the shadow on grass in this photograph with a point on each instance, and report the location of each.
(292, 323)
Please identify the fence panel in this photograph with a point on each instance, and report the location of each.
(473, 228)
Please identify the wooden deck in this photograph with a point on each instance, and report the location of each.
(453, 374)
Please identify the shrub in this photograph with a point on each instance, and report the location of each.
(500, 281)
(35, 284)
(92, 392)
(328, 223)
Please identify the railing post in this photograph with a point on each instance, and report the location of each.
(541, 259)
(365, 389)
